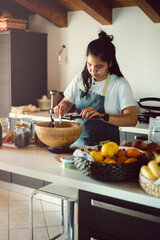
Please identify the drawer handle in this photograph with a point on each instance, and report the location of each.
(126, 211)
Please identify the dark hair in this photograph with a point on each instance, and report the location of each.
(105, 50)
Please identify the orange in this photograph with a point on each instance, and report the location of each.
(121, 159)
(133, 153)
(121, 153)
(129, 160)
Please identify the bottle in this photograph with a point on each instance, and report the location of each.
(0, 135)
(22, 138)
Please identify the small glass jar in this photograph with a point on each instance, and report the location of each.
(22, 138)
(5, 123)
(0, 135)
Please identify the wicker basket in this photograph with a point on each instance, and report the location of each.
(149, 187)
(110, 172)
(12, 24)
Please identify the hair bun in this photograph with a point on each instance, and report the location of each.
(105, 37)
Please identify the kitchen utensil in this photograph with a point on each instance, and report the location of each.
(73, 117)
(52, 120)
(59, 137)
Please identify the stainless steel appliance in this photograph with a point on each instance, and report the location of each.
(152, 110)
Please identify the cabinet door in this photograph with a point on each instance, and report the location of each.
(5, 72)
(87, 234)
(117, 218)
(28, 67)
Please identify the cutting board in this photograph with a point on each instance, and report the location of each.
(58, 156)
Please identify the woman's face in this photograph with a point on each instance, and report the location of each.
(97, 68)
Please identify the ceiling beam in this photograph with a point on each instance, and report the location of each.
(48, 10)
(97, 10)
(150, 8)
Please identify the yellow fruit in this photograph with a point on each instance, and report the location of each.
(116, 147)
(111, 161)
(97, 156)
(155, 168)
(109, 149)
(146, 172)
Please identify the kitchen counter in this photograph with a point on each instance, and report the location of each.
(141, 128)
(38, 162)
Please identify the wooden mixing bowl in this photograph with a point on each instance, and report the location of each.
(61, 135)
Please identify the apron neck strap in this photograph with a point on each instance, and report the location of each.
(105, 85)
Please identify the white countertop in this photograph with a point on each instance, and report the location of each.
(141, 128)
(38, 162)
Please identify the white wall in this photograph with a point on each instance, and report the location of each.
(136, 37)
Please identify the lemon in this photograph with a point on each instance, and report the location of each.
(109, 149)
(97, 156)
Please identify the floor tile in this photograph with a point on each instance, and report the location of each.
(3, 195)
(53, 231)
(40, 234)
(37, 205)
(13, 196)
(52, 218)
(19, 220)
(19, 207)
(15, 215)
(19, 234)
(3, 221)
(4, 234)
(38, 220)
(48, 207)
(4, 208)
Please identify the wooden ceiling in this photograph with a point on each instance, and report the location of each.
(56, 11)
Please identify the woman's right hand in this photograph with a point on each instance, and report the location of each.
(60, 110)
(62, 107)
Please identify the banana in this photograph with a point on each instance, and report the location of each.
(146, 172)
(154, 167)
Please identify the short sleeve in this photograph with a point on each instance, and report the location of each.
(72, 89)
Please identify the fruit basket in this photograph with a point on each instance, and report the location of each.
(150, 187)
(110, 172)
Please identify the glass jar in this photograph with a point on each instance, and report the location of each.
(0, 135)
(5, 123)
(22, 138)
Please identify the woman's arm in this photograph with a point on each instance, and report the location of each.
(62, 107)
(127, 118)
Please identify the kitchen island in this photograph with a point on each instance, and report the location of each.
(37, 162)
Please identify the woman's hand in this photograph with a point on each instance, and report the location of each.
(88, 113)
(62, 107)
(60, 110)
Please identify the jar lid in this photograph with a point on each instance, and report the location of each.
(21, 125)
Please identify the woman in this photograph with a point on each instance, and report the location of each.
(100, 90)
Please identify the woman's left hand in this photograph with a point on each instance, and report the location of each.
(88, 113)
